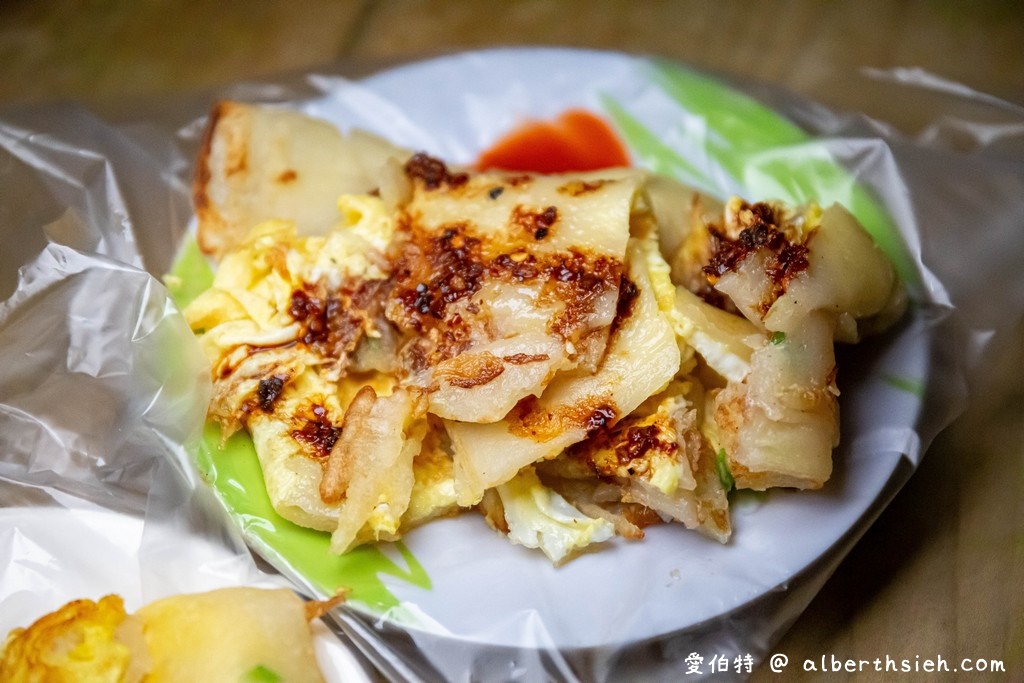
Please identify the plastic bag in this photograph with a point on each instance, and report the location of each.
(103, 389)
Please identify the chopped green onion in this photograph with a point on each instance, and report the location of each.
(262, 674)
(724, 475)
(778, 337)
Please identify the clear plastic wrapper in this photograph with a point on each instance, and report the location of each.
(103, 389)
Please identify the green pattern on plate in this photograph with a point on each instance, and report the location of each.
(233, 471)
(190, 276)
(907, 384)
(652, 152)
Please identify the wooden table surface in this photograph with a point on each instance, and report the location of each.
(942, 571)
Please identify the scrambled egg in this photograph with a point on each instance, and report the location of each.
(644, 447)
(249, 302)
(81, 641)
(267, 326)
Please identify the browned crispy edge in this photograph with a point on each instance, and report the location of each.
(210, 222)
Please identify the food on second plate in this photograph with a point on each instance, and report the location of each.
(574, 355)
(231, 634)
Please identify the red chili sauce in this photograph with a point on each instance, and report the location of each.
(575, 141)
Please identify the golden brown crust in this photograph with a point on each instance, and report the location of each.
(470, 370)
(227, 126)
(532, 420)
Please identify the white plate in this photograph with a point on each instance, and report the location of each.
(486, 591)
